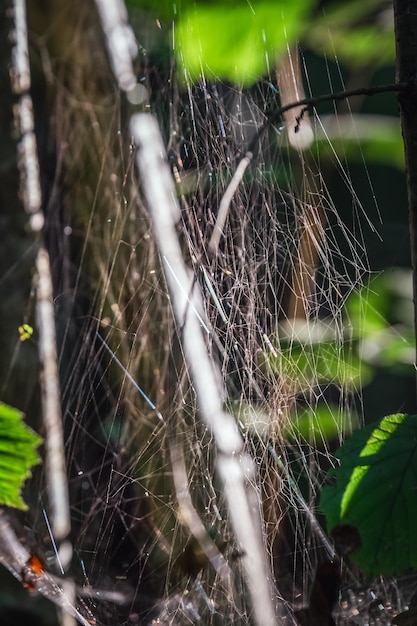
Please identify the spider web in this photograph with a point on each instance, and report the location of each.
(274, 294)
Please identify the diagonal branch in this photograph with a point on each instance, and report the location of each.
(235, 468)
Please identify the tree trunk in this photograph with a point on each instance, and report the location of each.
(405, 18)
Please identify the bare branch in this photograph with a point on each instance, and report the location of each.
(51, 402)
(122, 47)
(310, 103)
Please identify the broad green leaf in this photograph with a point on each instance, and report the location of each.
(17, 455)
(375, 491)
(236, 40)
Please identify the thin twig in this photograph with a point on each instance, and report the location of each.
(195, 525)
(310, 103)
(225, 202)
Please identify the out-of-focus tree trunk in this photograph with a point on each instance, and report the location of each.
(405, 19)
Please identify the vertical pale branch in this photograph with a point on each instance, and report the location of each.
(56, 475)
(29, 171)
(300, 137)
(20, 79)
(290, 84)
(51, 401)
(405, 20)
(121, 42)
(310, 237)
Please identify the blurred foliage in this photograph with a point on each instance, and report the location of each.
(374, 491)
(231, 40)
(380, 317)
(357, 32)
(308, 365)
(373, 138)
(246, 35)
(378, 334)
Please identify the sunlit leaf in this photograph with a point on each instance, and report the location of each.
(17, 455)
(236, 40)
(375, 491)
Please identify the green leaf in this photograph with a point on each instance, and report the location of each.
(17, 455)
(375, 491)
(236, 40)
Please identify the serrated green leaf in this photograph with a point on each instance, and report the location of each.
(233, 40)
(375, 491)
(18, 454)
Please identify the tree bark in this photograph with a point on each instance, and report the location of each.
(405, 20)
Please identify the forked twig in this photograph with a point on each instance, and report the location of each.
(310, 103)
